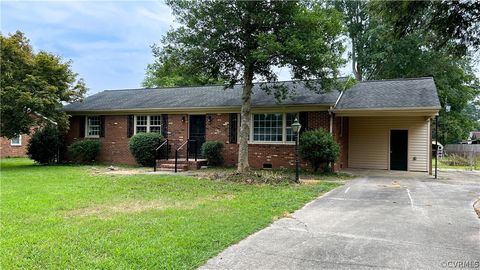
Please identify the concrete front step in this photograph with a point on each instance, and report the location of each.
(172, 166)
(181, 163)
(171, 169)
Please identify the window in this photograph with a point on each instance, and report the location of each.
(92, 126)
(16, 140)
(148, 123)
(273, 127)
(267, 127)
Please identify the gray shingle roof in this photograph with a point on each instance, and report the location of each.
(195, 97)
(402, 93)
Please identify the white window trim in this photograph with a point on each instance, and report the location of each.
(284, 130)
(19, 141)
(148, 122)
(86, 127)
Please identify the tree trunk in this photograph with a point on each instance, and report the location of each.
(243, 165)
(355, 66)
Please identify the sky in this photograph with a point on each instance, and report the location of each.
(107, 41)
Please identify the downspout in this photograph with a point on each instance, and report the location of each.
(331, 111)
(331, 120)
(332, 115)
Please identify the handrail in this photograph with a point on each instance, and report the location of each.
(166, 141)
(181, 146)
(156, 154)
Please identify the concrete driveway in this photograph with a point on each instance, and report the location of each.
(384, 220)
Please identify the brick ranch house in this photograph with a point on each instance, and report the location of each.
(378, 124)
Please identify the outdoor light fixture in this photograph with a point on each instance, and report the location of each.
(296, 126)
(209, 119)
(183, 119)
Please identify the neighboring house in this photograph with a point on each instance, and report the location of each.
(15, 147)
(378, 124)
(473, 138)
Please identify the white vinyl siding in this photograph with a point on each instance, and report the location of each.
(369, 142)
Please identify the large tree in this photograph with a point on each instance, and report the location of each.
(170, 70)
(409, 39)
(454, 22)
(33, 86)
(243, 41)
(357, 22)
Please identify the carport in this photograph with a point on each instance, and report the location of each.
(390, 124)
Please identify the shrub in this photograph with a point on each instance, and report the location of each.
(317, 147)
(84, 151)
(143, 145)
(44, 145)
(213, 152)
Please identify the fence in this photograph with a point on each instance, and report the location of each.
(464, 150)
(469, 152)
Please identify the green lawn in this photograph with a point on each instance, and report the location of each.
(444, 164)
(67, 217)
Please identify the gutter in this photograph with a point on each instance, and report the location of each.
(44, 117)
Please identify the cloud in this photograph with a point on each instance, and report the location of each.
(109, 42)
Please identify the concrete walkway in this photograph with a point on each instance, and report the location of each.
(397, 221)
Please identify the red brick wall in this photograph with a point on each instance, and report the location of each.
(319, 120)
(115, 143)
(114, 148)
(177, 129)
(279, 155)
(8, 150)
(340, 134)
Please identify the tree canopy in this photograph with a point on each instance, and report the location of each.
(235, 42)
(33, 86)
(413, 39)
(243, 41)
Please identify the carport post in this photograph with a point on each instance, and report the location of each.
(436, 144)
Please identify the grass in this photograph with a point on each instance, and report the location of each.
(443, 163)
(67, 217)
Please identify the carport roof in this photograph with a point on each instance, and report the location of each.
(391, 94)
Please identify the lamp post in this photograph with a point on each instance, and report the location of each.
(296, 126)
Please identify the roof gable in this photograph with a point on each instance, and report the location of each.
(391, 94)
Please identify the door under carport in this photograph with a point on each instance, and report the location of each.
(398, 150)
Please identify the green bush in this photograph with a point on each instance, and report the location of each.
(317, 147)
(213, 152)
(143, 145)
(44, 145)
(84, 151)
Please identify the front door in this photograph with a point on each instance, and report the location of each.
(196, 134)
(399, 150)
